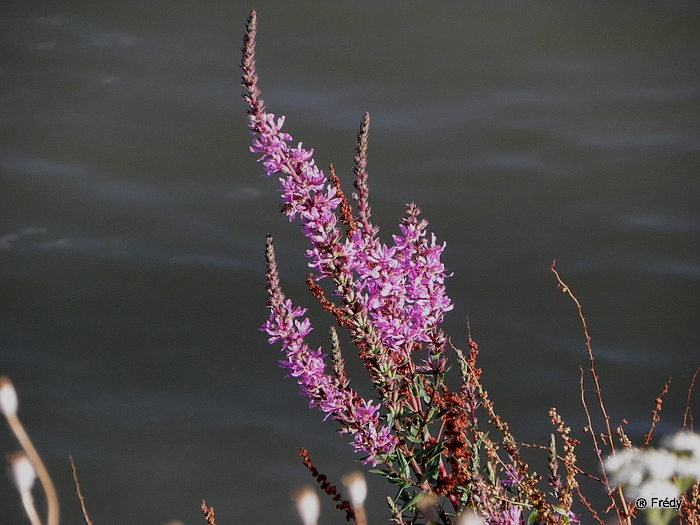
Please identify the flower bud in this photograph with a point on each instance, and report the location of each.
(21, 472)
(8, 397)
(308, 505)
(357, 487)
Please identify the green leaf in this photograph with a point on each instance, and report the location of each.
(490, 472)
(404, 469)
(431, 470)
(413, 439)
(430, 451)
(413, 501)
(392, 477)
(532, 518)
(416, 387)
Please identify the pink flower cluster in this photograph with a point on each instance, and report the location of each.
(399, 290)
(325, 391)
(402, 286)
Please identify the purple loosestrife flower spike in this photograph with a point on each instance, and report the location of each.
(326, 392)
(393, 298)
(403, 286)
(250, 77)
(306, 193)
(305, 188)
(360, 171)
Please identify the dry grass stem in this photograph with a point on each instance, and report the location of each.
(78, 492)
(591, 358)
(35, 459)
(617, 499)
(688, 415)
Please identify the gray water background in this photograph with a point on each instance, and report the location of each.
(133, 220)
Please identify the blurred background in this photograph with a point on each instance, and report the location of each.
(133, 219)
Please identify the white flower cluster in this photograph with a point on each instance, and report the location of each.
(686, 447)
(650, 473)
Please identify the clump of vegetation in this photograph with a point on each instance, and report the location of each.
(424, 438)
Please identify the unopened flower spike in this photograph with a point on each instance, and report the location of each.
(23, 475)
(8, 397)
(307, 505)
(357, 487)
(22, 471)
(357, 491)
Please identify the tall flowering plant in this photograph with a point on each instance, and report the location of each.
(391, 299)
(422, 436)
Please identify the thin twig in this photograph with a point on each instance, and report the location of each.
(655, 417)
(688, 415)
(589, 427)
(591, 359)
(78, 492)
(578, 469)
(587, 504)
(623, 513)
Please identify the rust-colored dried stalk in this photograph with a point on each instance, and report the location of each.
(208, 513)
(688, 415)
(655, 417)
(345, 208)
(591, 360)
(617, 499)
(690, 506)
(624, 440)
(334, 309)
(565, 497)
(327, 486)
